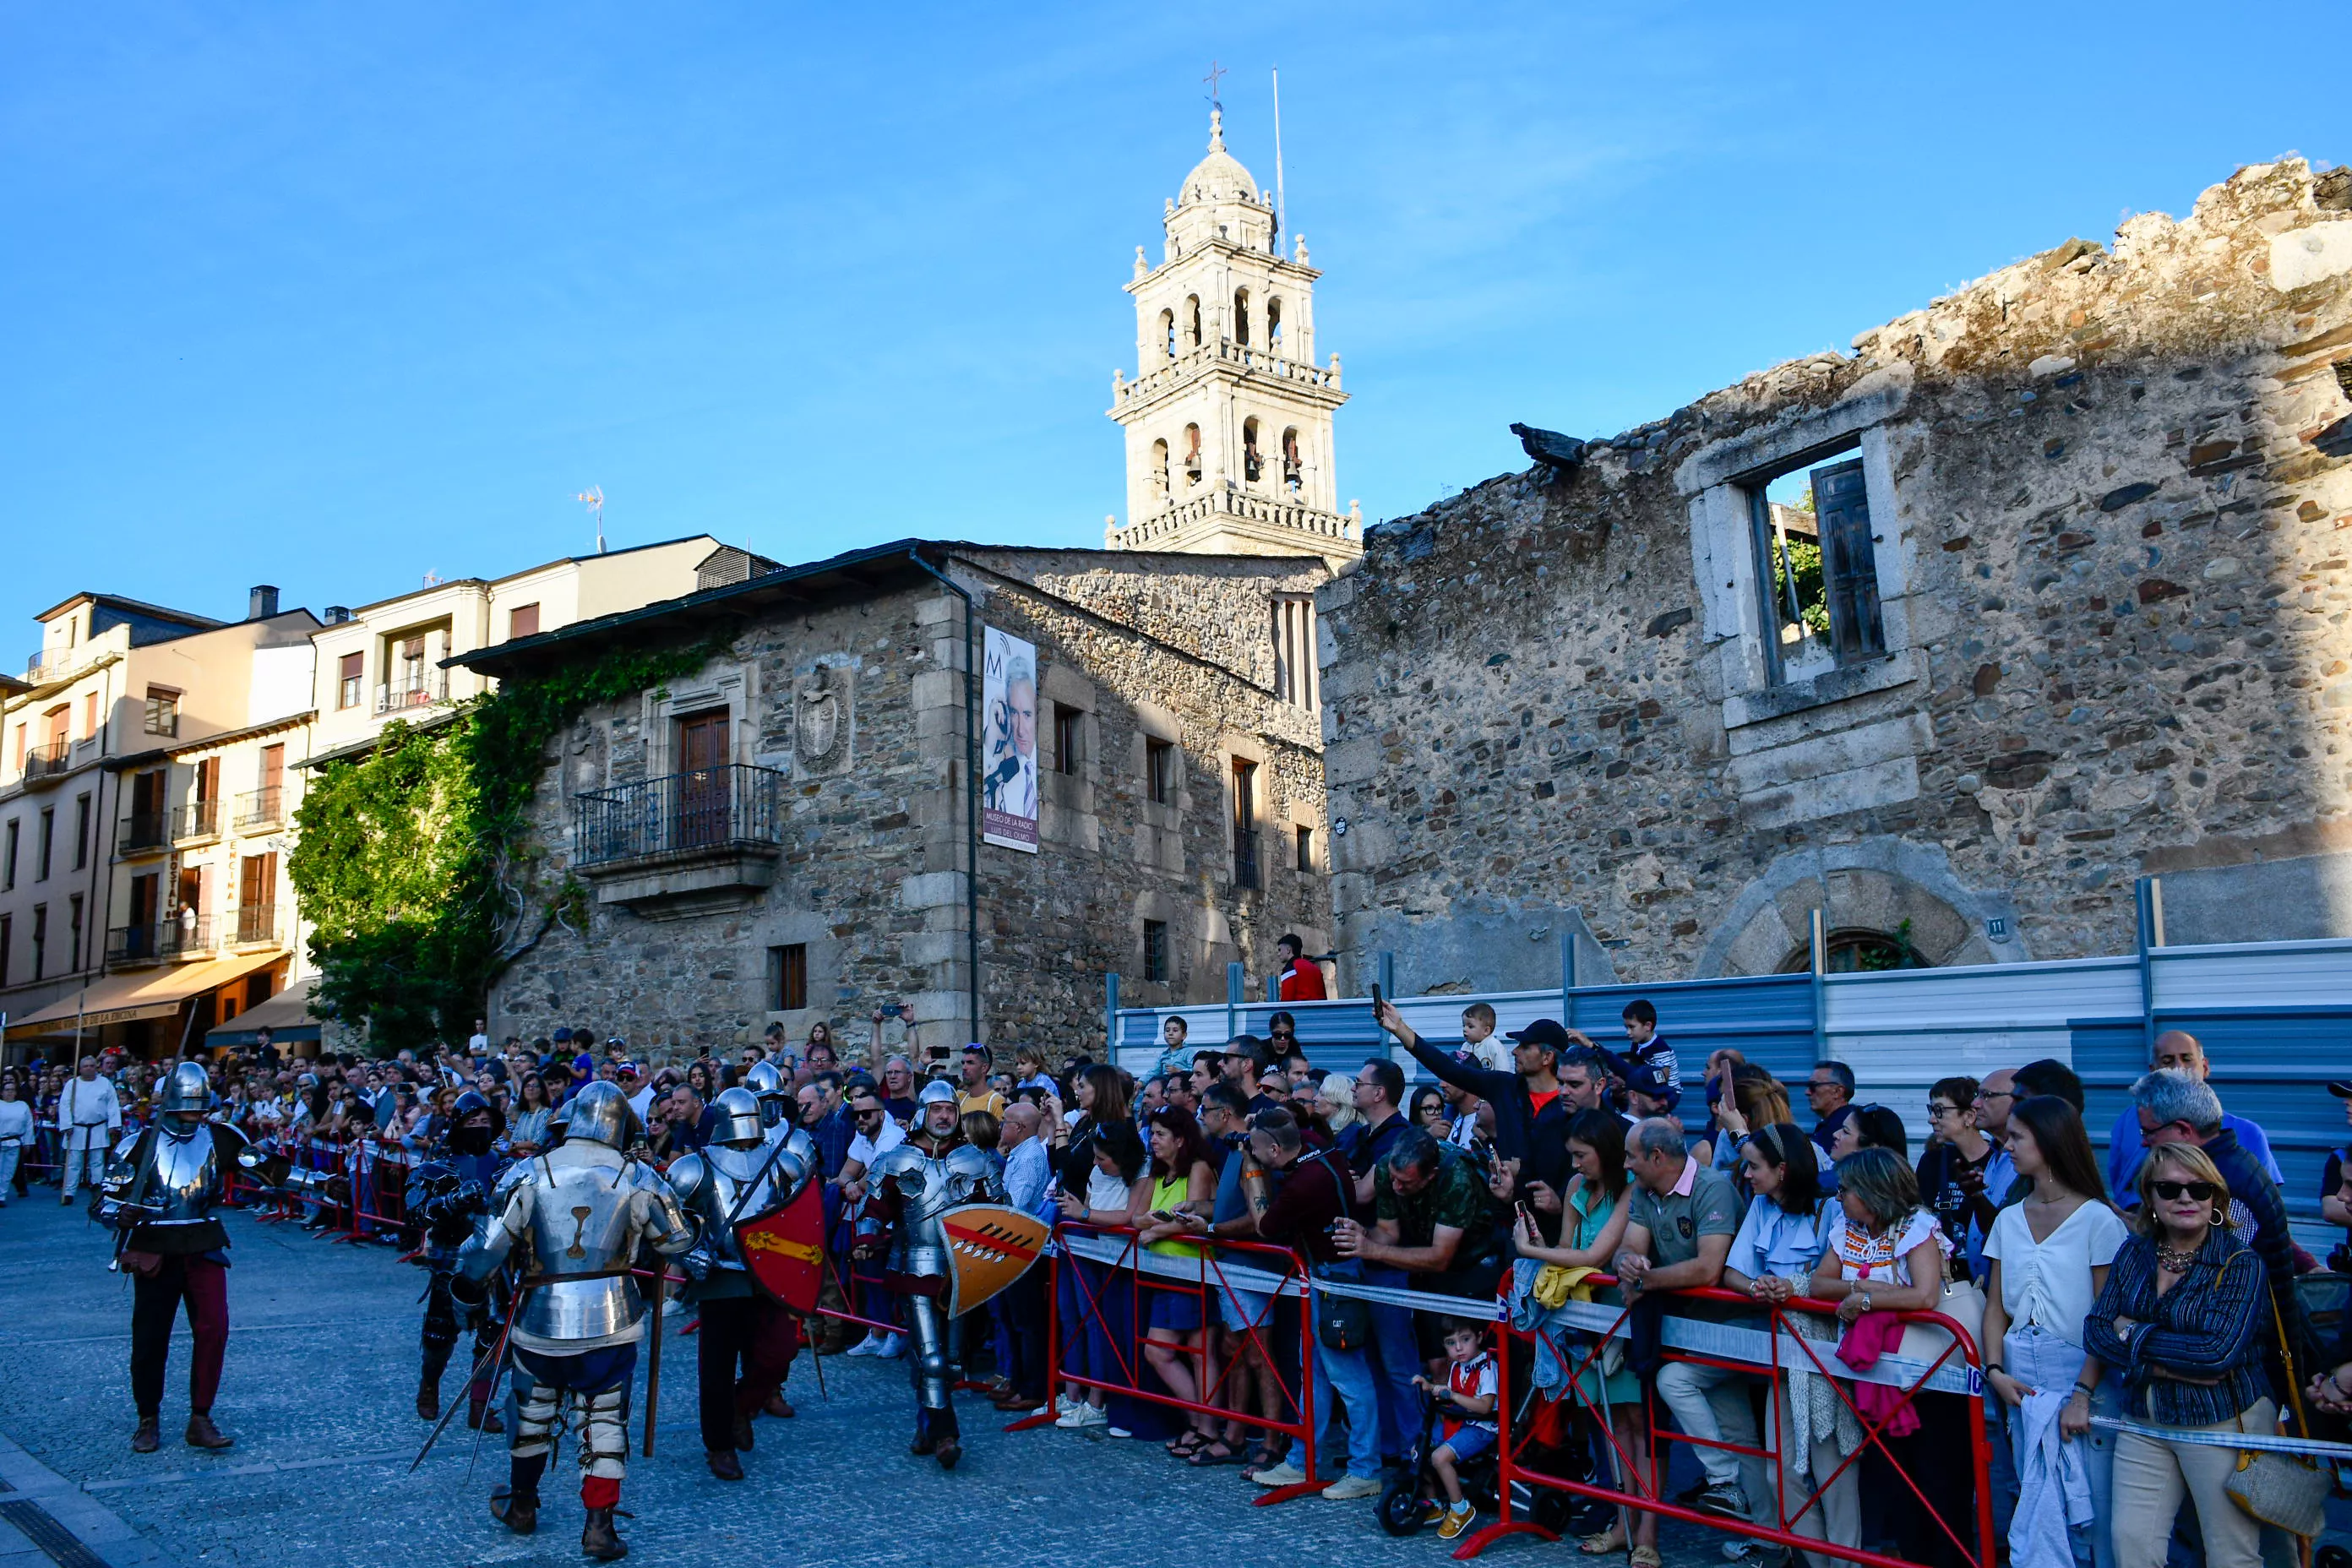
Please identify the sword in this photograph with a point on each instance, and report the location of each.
(497, 1353)
(653, 1364)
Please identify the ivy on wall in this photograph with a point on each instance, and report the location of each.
(413, 866)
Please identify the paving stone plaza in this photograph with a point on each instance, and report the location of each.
(318, 1392)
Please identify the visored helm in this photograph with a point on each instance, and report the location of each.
(937, 1091)
(188, 1091)
(600, 1113)
(768, 1089)
(468, 1140)
(740, 1117)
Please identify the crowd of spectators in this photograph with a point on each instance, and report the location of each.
(2157, 1286)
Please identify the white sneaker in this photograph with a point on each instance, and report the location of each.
(1117, 1432)
(1347, 1488)
(1085, 1415)
(1284, 1474)
(866, 1346)
(892, 1348)
(1063, 1404)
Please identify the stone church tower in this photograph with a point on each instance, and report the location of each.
(1229, 418)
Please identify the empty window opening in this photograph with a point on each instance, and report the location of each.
(1069, 738)
(788, 977)
(1273, 323)
(1160, 771)
(1858, 949)
(1241, 317)
(1168, 333)
(1817, 562)
(1160, 468)
(1155, 952)
(1306, 849)
(1192, 318)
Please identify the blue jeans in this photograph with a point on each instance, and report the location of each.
(1349, 1374)
(1396, 1357)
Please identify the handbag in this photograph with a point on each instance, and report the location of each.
(1341, 1322)
(2288, 1491)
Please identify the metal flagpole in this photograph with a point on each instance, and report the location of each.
(1281, 211)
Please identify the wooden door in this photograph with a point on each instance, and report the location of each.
(703, 779)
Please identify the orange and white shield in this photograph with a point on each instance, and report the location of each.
(785, 1249)
(988, 1247)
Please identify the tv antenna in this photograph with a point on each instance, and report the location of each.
(593, 498)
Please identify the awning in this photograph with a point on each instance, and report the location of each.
(286, 1015)
(125, 998)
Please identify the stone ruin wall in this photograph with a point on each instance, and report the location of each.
(2124, 486)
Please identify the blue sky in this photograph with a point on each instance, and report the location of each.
(334, 296)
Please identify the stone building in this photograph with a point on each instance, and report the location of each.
(791, 834)
(2040, 589)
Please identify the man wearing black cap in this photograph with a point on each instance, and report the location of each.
(1530, 1114)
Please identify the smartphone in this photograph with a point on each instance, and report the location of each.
(1376, 1000)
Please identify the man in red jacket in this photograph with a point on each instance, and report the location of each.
(1302, 979)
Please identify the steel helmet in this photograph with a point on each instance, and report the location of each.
(738, 1117)
(474, 1140)
(769, 1090)
(188, 1089)
(600, 1113)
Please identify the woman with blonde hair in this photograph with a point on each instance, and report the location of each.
(2185, 1313)
(1334, 1103)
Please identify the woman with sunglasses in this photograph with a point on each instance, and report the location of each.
(2185, 1313)
(2045, 1262)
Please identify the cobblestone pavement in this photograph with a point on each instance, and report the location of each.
(319, 1390)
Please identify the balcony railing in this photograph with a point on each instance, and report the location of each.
(413, 691)
(171, 937)
(260, 809)
(257, 923)
(197, 819)
(711, 809)
(143, 831)
(48, 759)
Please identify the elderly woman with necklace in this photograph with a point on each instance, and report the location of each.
(2183, 1314)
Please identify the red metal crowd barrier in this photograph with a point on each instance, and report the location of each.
(1206, 1283)
(1648, 1497)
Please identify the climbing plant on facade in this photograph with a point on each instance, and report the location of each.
(414, 864)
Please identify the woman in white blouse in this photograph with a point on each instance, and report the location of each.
(2047, 1259)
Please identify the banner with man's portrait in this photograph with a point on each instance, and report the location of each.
(1008, 741)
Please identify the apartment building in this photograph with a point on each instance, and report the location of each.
(95, 939)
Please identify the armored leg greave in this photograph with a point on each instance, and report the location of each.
(603, 1420)
(537, 1408)
(930, 1360)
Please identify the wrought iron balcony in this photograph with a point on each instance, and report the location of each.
(1246, 865)
(682, 844)
(413, 691)
(257, 923)
(197, 819)
(159, 941)
(145, 832)
(260, 809)
(48, 760)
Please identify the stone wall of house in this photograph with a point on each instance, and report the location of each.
(2111, 496)
(871, 877)
(1055, 923)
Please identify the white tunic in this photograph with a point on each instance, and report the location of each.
(88, 1113)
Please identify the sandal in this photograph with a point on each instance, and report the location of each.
(1215, 1451)
(1266, 1454)
(1601, 1543)
(1186, 1445)
(1645, 1557)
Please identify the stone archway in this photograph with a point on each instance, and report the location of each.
(1865, 890)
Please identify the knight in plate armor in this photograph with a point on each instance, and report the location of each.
(573, 1219)
(445, 1191)
(161, 1186)
(745, 1174)
(914, 1184)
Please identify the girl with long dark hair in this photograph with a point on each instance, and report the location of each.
(2046, 1261)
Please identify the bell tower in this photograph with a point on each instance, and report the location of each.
(1228, 420)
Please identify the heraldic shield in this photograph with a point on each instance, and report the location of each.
(988, 1247)
(785, 1249)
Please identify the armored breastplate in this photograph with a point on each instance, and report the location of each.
(183, 1181)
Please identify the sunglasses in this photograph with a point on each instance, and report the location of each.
(1937, 1108)
(2202, 1191)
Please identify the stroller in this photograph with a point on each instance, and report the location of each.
(1413, 1483)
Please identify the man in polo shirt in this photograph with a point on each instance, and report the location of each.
(1678, 1230)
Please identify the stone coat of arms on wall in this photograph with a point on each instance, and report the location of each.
(820, 720)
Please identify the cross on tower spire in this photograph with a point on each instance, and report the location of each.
(1216, 72)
